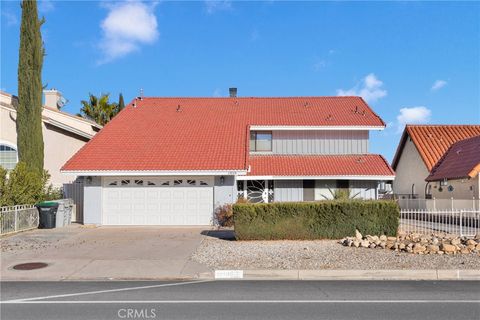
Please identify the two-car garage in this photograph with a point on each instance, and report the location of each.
(157, 200)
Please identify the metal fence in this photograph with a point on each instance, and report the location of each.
(463, 223)
(18, 218)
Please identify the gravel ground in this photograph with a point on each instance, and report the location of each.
(36, 239)
(321, 254)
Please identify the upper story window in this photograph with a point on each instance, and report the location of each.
(260, 141)
(8, 156)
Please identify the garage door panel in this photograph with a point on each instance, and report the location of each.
(169, 204)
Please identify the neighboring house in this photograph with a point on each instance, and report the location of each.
(420, 148)
(456, 173)
(63, 134)
(172, 161)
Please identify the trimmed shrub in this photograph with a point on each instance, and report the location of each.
(23, 185)
(333, 219)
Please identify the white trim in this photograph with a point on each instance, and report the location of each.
(262, 127)
(316, 178)
(155, 173)
(10, 144)
(68, 128)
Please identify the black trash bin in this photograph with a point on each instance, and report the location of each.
(47, 212)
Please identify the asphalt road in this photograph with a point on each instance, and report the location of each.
(241, 300)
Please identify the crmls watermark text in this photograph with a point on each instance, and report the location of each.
(134, 313)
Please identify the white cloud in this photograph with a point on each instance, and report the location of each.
(212, 6)
(370, 89)
(45, 6)
(10, 18)
(438, 84)
(127, 26)
(413, 115)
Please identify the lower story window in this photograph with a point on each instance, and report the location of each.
(8, 157)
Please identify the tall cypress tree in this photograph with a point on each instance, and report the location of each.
(29, 111)
(121, 103)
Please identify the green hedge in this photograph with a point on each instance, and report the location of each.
(315, 220)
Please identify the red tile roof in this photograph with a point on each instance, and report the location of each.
(462, 160)
(432, 141)
(205, 133)
(323, 165)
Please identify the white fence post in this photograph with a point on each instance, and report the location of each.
(16, 218)
(461, 223)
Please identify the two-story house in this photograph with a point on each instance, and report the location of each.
(172, 161)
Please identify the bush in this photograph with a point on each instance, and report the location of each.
(224, 216)
(25, 186)
(332, 219)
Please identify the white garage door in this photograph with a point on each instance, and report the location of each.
(158, 201)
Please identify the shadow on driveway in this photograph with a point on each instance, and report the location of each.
(228, 235)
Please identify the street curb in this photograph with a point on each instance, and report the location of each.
(344, 275)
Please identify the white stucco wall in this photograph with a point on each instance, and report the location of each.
(410, 170)
(462, 189)
(92, 201)
(225, 193)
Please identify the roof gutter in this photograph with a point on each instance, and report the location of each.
(362, 128)
(338, 177)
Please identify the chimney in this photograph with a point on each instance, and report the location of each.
(54, 99)
(233, 92)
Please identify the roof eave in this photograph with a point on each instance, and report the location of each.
(319, 177)
(154, 172)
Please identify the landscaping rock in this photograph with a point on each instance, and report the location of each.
(418, 248)
(448, 248)
(358, 235)
(416, 243)
(365, 243)
(433, 248)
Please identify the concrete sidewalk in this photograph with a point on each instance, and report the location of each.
(79, 253)
(344, 275)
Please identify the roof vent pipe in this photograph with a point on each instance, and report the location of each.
(233, 92)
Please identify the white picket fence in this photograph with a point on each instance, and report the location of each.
(25, 217)
(463, 223)
(18, 218)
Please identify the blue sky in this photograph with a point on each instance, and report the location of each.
(415, 62)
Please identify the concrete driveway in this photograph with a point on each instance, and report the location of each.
(80, 253)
